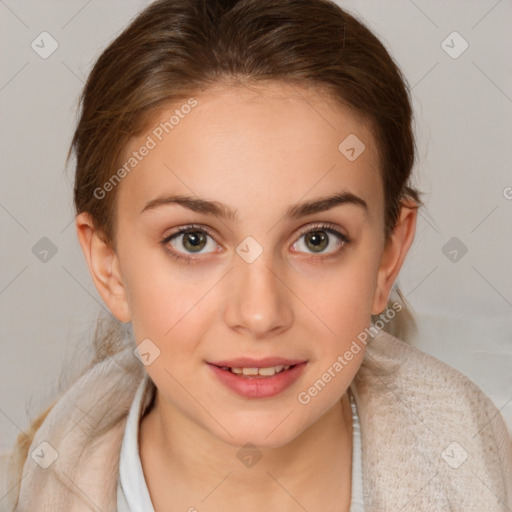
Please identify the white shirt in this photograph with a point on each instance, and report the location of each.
(132, 491)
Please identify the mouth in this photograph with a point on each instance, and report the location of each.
(258, 379)
(255, 372)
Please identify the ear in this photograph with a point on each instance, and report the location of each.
(393, 255)
(104, 267)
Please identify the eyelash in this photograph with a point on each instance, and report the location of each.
(329, 228)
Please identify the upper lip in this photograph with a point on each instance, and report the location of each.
(249, 362)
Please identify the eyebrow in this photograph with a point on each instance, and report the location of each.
(319, 204)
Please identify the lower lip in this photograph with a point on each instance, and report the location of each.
(259, 387)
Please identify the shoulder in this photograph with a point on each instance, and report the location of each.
(9, 487)
(439, 391)
(432, 415)
(420, 373)
(84, 429)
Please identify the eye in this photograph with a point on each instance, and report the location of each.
(321, 239)
(191, 239)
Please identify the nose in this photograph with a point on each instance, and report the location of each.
(258, 304)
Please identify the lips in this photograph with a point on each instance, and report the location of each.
(258, 378)
(248, 362)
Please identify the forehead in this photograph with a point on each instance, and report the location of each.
(244, 146)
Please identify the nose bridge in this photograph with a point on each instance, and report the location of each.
(259, 302)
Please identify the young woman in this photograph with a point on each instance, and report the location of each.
(244, 205)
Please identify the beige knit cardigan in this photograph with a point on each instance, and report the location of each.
(431, 439)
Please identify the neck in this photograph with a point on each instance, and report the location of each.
(188, 461)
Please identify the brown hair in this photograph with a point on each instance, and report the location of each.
(175, 49)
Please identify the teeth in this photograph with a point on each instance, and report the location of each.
(250, 371)
(266, 372)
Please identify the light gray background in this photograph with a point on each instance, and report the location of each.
(463, 123)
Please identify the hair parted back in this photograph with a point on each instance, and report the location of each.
(174, 49)
(177, 48)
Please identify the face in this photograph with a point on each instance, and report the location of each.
(247, 239)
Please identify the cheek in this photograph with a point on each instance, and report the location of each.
(343, 298)
(343, 302)
(345, 311)
(171, 305)
(157, 294)
(163, 309)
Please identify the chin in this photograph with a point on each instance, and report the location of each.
(272, 433)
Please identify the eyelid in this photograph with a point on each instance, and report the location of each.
(327, 226)
(190, 227)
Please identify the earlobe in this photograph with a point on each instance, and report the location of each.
(103, 264)
(393, 255)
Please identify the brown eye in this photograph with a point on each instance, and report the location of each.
(190, 240)
(321, 239)
(317, 241)
(194, 241)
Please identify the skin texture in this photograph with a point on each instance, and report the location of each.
(258, 151)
